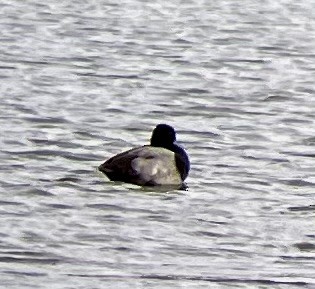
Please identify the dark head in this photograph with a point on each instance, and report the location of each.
(163, 136)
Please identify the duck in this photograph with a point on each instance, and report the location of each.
(162, 162)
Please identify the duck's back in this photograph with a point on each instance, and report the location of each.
(145, 165)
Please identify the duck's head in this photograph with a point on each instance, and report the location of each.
(163, 135)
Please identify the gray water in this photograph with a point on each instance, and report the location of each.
(84, 80)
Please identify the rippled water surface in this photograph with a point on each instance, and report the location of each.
(83, 80)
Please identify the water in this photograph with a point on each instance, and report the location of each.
(83, 80)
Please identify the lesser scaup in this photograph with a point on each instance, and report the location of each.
(163, 162)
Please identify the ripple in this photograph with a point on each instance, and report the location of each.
(35, 192)
(83, 82)
(305, 246)
(302, 208)
(25, 273)
(28, 260)
(234, 281)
